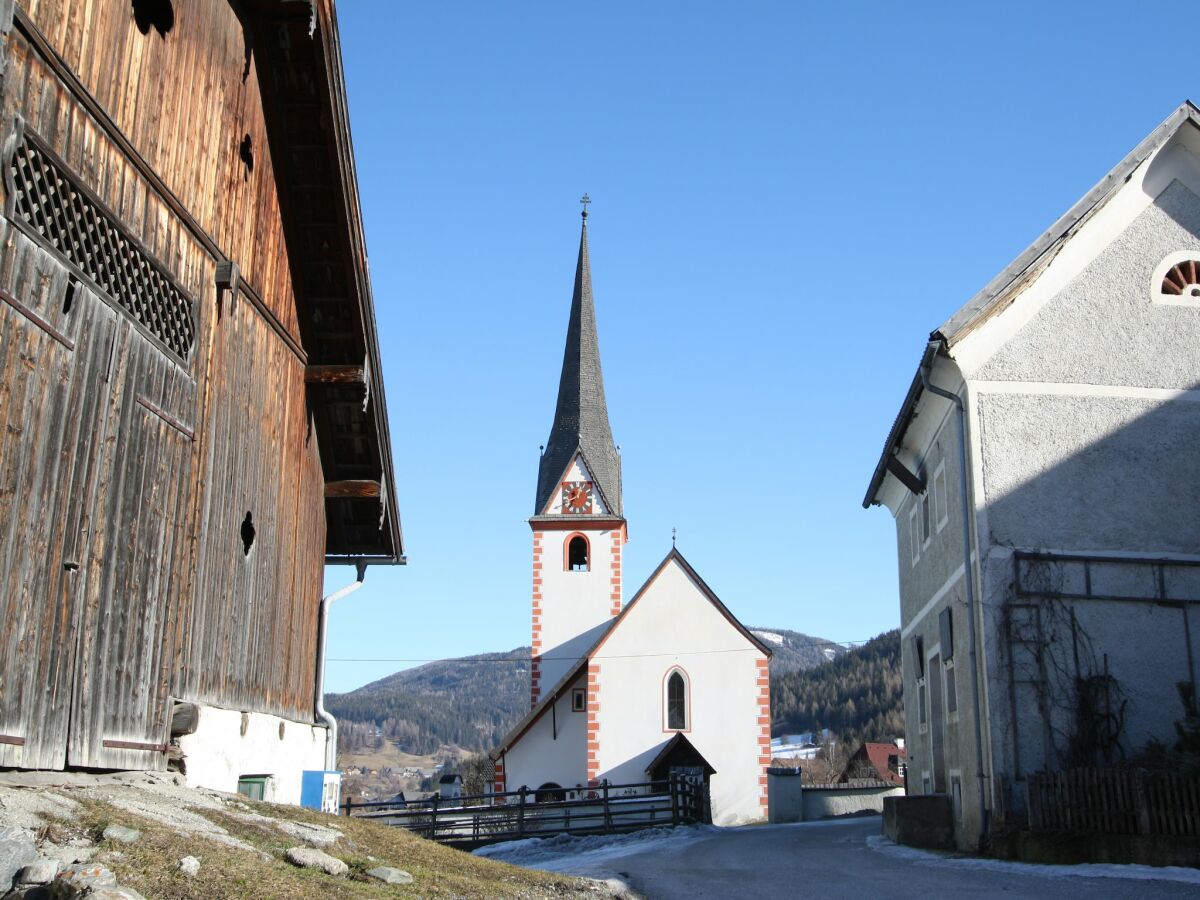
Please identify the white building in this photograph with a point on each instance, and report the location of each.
(1044, 481)
(670, 681)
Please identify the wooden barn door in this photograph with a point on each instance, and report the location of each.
(55, 343)
(138, 569)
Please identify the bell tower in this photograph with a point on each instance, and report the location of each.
(578, 526)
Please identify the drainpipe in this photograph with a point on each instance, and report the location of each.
(322, 714)
(968, 573)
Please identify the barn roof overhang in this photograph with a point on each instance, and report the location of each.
(298, 57)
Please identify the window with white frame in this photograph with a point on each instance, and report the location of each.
(951, 688)
(939, 496)
(675, 702)
(921, 706)
(914, 536)
(956, 795)
(925, 517)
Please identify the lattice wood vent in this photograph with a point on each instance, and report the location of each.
(1182, 279)
(47, 197)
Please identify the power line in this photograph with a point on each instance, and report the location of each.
(511, 659)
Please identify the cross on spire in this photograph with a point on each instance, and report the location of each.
(672, 537)
(584, 201)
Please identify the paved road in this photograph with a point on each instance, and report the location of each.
(833, 859)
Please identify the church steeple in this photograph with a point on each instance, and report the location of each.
(581, 415)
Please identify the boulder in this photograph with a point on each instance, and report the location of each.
(40, 872)
(389, 875)
(311, 858)
(189, 866)
(17, 850)
(121, 834)
(81, 881)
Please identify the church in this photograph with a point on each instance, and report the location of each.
(670, 681)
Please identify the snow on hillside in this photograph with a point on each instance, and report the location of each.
(769, 636)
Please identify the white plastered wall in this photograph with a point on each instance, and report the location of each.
(552, 750)
(674, 624)
(218, 753)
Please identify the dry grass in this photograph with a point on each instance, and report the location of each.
(151, 865)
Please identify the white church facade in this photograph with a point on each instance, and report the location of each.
(671, 681)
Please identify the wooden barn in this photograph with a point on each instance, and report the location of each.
(192, 416)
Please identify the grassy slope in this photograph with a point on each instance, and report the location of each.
(151, 864)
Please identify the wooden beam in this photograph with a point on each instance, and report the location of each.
(352, 489)
(914, 483)
(335, 375)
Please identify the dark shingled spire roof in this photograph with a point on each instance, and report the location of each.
(581, 416)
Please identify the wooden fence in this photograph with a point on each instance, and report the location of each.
(473, 821)
(1113, 801)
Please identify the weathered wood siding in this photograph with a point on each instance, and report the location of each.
(126, 472)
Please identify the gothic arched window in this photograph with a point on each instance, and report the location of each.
(577, 554)
(677, 701)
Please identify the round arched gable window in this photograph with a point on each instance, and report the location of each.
(1176, 280)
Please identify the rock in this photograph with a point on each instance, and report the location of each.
(311, 858)
(313, 835)
(189, 866)
(114, 893)
(389, 875)
(17, 850)
(40, 872)
(81, 881)
(121, 834)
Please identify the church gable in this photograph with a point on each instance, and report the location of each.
(675, 612)
(578, 493)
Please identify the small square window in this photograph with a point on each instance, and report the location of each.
(956, 796)
(951, 690)
(578, 699)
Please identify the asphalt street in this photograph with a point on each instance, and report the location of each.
(848, 859)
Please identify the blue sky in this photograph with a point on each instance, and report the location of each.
(787, 200)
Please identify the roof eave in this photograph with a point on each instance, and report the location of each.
(980, 307)
(994, 295)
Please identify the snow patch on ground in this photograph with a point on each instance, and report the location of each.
(568, 853)
(880, 844)
(769, 636)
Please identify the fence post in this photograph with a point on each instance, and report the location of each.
(433, 819)
(1140, 806)
(349, 804)
(521, 814)
(607, 814)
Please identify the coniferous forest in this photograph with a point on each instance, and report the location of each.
(857, 696)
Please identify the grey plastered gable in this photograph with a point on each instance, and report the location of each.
(581, 413)
(1118, 336)
(1004, 289)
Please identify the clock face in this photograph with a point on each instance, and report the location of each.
(577, 497)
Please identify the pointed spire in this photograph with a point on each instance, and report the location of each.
(581, 415)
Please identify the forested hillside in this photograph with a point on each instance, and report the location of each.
(470, 702)
(473, 702)
(857, 695)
